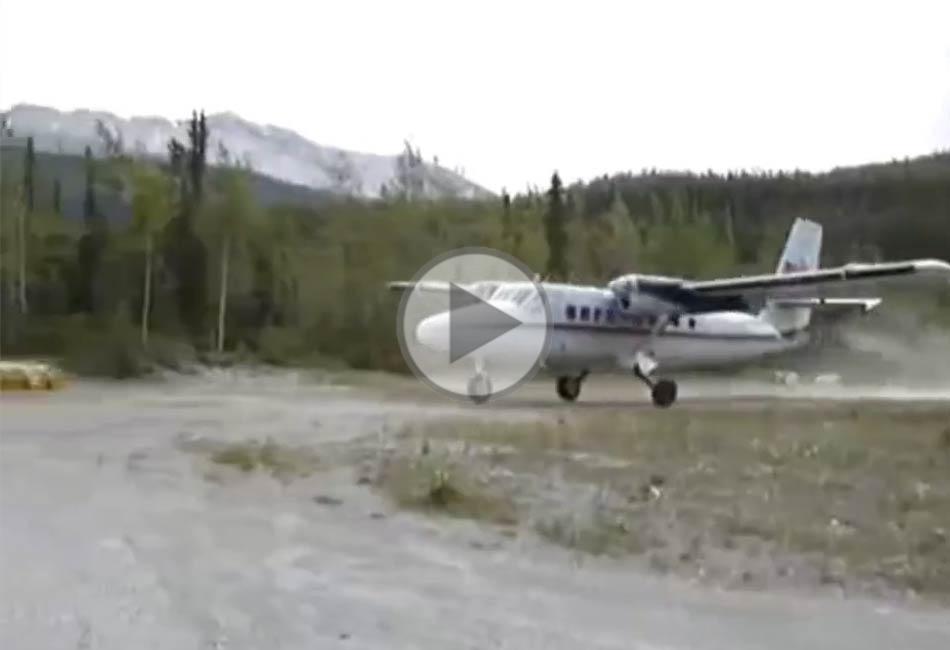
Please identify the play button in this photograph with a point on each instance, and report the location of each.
(474, 311)
(474, 322)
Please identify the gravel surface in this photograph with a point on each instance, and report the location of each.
(113, 535)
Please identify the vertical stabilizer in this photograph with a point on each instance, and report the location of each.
(802, 252)
(802, 248)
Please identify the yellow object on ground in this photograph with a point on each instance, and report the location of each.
(26, 375)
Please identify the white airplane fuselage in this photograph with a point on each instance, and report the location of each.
(588, 331)
(647, 324)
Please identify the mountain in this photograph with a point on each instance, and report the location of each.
(70, 171)
(271, 151)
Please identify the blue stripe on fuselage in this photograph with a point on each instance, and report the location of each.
(641, 331)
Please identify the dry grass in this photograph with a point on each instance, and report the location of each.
(283, 462)
(857, 496)
(440, 482)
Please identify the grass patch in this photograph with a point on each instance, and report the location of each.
(796, 492)
(594, 530)
(283, 462)
(440, 483)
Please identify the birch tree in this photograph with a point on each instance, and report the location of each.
(230, 214)
(152, 208)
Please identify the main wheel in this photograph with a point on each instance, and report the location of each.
(568, 388)
(663, 393)
(479, 388)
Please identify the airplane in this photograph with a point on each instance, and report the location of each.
(645, 323)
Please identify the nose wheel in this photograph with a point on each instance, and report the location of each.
(479, 388)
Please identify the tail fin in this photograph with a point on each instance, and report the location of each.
(802, 252)
(802, 248)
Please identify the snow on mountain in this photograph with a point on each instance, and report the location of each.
(270, 150)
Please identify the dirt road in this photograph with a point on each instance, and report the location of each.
(113, 536)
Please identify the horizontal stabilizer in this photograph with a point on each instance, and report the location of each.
(435, 287)
(482, 288)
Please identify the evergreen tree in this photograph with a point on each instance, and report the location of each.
(185, 253)
(176, 165)
(29, 167)
(91, 246)
(506, 230)
(197, 155)
(611, 242)
(555, 231)
(89, 199)
(57, 197)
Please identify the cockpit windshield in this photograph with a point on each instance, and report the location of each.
(526, 297)
(515, 294)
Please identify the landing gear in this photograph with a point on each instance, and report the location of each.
(569, 388)
(479, 388)
(662, 391)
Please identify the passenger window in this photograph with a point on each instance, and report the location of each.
(571, 312)
(651, 321)
(675, 320)
(597, 315)
(585, 313)
(692, 323)
(610, 315)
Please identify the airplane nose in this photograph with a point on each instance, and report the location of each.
(433, 332)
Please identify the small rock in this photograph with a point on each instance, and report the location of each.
(325, 500)
(483, 546)
(377, 515)
(650, 492)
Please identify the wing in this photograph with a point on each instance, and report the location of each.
(819, 282)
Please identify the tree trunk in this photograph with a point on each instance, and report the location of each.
(147, 289)
(223, 298)
(21, 258)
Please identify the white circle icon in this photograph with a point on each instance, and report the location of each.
(473, 323)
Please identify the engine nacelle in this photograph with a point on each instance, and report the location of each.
(636, 283)
(647, 293)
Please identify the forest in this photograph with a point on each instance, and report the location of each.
(116, 265)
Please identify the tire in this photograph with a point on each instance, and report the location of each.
(479, 388)
(568, 388)
(664, 393)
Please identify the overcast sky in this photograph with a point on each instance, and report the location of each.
(512, 90)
